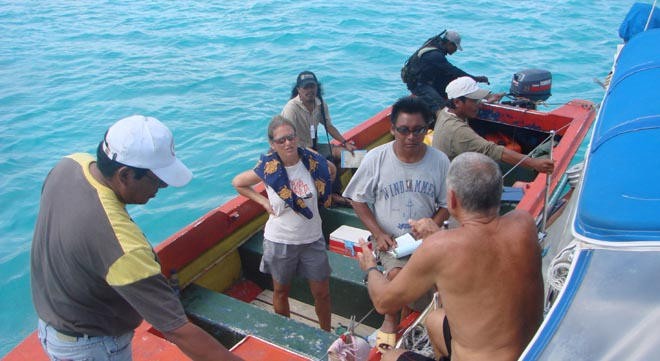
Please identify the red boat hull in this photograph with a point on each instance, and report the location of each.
(191, 242)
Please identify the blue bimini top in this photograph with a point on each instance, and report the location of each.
(636, 20)
(620, 192)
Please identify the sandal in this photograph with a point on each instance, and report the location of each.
(385, 341)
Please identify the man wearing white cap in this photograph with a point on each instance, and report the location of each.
(452, 133)
(94, 275)
(431, 72)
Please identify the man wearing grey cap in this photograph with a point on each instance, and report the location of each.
(94, 275)
(430, 72)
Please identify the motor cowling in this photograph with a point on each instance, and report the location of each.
(532, 84)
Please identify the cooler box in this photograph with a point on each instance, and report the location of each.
(345, 240)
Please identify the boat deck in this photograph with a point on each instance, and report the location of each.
(245, 308)
(304, 313)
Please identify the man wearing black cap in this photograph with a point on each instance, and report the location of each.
(306, 109)
(431, 72)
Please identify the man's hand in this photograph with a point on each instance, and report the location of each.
(366, 257)
(481, 79)
(543, 165)
(350, 146)
(199, 345)
(423, 228)
(494, 97)
(384, 242)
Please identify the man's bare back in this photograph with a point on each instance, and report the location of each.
(489, 279)
(487, 271)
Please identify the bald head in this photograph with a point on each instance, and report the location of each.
(477, 182)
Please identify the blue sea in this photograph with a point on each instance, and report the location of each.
(216, 71)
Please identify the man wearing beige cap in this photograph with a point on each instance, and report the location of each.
(94, 275)
(430, 72)
(452, 133)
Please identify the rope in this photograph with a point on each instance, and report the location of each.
(367, 315)
(415, 338)
(533, 150)
(648, 21)
(558, 271)
(418, 341)
(350, 330)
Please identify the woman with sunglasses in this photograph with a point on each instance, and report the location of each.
(297, 179)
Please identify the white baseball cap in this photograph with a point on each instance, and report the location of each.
(145, 142)
(455, 38)
(465, 87)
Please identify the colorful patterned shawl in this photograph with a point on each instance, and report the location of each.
(271, 170)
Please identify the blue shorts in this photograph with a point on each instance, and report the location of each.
(59, 346)
(283, 261)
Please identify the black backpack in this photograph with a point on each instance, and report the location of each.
(411, 69)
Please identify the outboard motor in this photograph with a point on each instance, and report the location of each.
(530, 87)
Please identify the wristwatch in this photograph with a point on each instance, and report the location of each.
(366, 273)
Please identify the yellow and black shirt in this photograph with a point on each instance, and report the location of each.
(92, 269)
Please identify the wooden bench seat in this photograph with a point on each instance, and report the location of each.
(229, 320)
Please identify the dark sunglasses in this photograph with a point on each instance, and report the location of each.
(282, 140)
(406, 130)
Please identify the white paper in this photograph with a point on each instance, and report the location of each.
(349, 160)
(405, 245)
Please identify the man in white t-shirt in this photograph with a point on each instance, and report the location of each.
(396, 182)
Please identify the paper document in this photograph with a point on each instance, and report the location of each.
(349, 160)
(405, 245)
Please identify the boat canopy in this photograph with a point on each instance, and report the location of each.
(619, 196)
(636, 20)
(609, 310)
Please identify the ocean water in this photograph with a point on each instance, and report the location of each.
(216, 71)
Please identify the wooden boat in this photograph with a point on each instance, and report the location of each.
(608, 306)
(214, 261)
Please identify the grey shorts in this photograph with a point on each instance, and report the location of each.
(283, 261)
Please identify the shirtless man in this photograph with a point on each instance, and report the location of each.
(487, 271)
